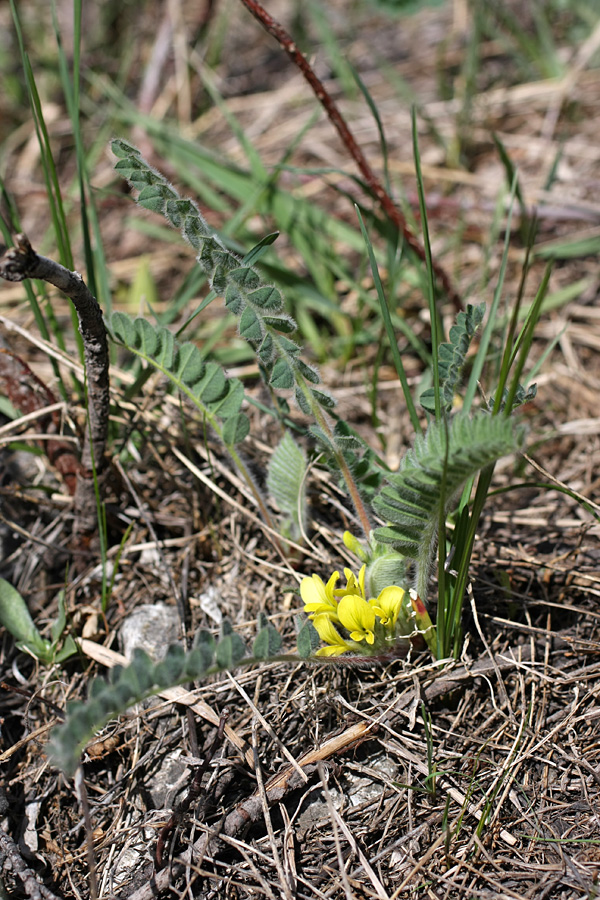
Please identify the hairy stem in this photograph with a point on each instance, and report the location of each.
(339, 123)
(21, 262)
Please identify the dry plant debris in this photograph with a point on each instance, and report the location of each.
(476, 779)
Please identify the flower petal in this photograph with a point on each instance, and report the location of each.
(330, 635)
(318, 597)
(388, 604)
(358, 617)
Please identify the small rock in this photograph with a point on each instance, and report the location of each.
(151, 627)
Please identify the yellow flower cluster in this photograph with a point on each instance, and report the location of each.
(369, 623)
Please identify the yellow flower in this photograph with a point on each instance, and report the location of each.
(358, 617)
(354, 585)
(319, 597)
(388, 605)
(330, 635)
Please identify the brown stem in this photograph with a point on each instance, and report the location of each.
(13, 864)
(21, 262)
(339, 123)
(193, 792)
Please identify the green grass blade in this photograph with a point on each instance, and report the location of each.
(391, 336)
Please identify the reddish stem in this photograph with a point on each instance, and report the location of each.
(373, 183)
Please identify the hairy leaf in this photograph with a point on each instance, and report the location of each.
(267, 643)
(260, 307)
(286, 481)
(452, 357)
(410, 499)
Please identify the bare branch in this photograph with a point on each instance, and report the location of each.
(21, 262)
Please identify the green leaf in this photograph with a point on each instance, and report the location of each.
(282, 376)
(188, 365)
(253, 256)
(266, 351)
(197, 662)
(410, 499)
(212, 385)
(286, 481)
(452, 356)
(153, 197)
(15, 616)
(266, 298)
(232, 399)
(68, 649)
(58, 626)
(123, 328)
(284, 324)
(309, 372)
(205, 642)
(122, 149)
(245, 277)
(251, 328)
(234, 299)
(323, 399)
(267, 643)
(307, 640)
(171, 669)
(236, 429)
(230, 651)
(146, 338)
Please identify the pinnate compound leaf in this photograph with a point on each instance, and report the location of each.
(126, 686)
(286, 481)
(410, 500)
(451, 357)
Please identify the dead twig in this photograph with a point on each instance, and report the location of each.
(21, 262)
(339, 123)
(193, 793)
(12, 862)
